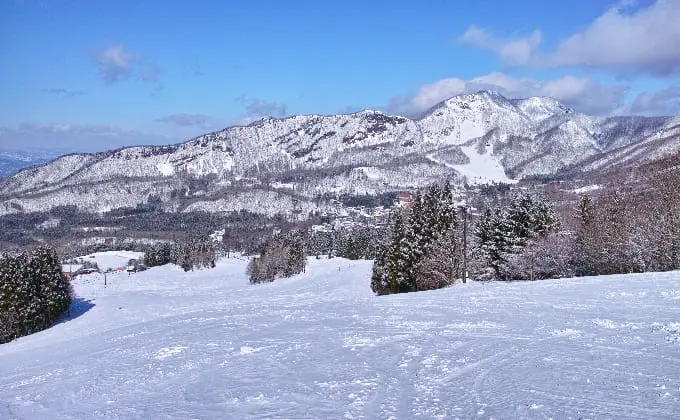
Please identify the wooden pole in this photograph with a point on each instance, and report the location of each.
(464, 243)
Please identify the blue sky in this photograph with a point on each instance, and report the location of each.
(95, 74)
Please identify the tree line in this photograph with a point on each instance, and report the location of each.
(629, 228)
(190, 254)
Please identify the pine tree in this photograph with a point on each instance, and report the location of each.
(584, 255)
(491, 234)
(447, 211)
(34, 292)
(380, 275)
(415, 236)
(398, 261)
(55, 289)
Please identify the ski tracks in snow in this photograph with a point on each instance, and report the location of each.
(165, 344)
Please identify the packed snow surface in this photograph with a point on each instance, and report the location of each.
(587, 189)
(167, 344)
(112, 259)
(481, 169)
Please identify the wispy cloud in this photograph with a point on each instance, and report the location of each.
(255, 107)
(518, 51)
(80, 137)
(64, 93)
(150, 72)
(188, 120)
(622, 40)
(581, 93)
(115, 64)
(196, 69)
(662, 102)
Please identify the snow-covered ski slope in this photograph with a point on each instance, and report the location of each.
(163, 344)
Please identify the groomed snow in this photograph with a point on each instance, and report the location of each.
(587, 189)
(167, 344)
(112, 259)
(482, 168)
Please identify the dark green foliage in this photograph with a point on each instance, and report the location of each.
(505, 231)
(282, 255)
(159, 254)
(353, 243)
(194, 253)
(413, 238)
(34, 292)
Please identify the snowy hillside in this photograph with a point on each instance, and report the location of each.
(315, 154)
(169, 344)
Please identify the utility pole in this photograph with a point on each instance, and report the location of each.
(464, 243)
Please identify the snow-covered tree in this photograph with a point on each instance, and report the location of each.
(282, 255)
(34, 292)
(416, 235)
(159, 254)
(193, 253)
(543, 257)
(504, 231)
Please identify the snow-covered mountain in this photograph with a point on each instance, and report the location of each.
(659, 142)
(477, 137)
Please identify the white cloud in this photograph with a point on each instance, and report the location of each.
(514, 51)
(643, 41)
(255, 109)
(625, 41)
(581, 93)
(186, 120)
(61, 92)
(661, 102)
(115, 64)
(78, 138)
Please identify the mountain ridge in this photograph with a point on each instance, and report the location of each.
(363, 152)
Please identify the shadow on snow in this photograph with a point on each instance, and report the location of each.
(78, 307)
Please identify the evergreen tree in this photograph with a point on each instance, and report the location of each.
(396, 260)
(447, 212)
(584, 255)
(415, 234)
(55, 289)
(380, 275)
(506, 231)
(34, 292)
(282, 255)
